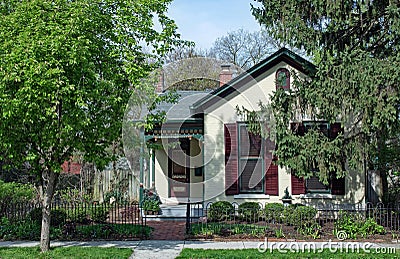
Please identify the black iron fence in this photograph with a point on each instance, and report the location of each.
(78, 220)
(295, 221)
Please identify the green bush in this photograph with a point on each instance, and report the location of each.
(151, 201)
(24, 230)
(371, 227)
(86, 214)
(223, 229)
(220, 210)
(118, 196)
(273, 212)
(16, 192)
(310, 229)
(98, 214)
(35, 215)
(151, 205)
(78, 215)
(356, 225)
(298, 215)
(71, 195)
(306, 213)
(58, 216)
(250, 211)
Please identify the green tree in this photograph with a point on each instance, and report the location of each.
(67, 70)
(354, 45)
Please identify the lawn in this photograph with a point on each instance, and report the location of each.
(254, 253)
(65, 252)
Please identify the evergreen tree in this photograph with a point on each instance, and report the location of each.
(354, 45)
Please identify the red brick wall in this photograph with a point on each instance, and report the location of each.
(71, 167)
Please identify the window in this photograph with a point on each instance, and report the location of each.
(282, 79)
(250, 161)
(313, 184)
(248, 167)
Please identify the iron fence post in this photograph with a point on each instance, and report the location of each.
(187, 218)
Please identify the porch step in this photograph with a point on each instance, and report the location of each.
(173, 210)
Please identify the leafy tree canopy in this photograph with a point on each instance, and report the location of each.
(67, 70)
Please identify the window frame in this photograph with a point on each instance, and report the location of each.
(277, 81)
(328, 190)
(244, 159)
(317, 124)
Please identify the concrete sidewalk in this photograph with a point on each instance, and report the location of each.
(157, 249)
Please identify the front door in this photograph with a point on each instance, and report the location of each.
(179, 169)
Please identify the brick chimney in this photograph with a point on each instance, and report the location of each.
(226, 74)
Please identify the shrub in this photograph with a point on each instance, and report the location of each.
(35, 215)
(220, 210)
(151, 201)
(78, 215)
(151, 205)
(305, 213)
(85, 214)
(98, 214)
(250, 211)
(118, 196)
(58, 216)
(371, 227)
(24, 230)
(16, 192)
(273, 212)
(297, 215)
(355, 224)
(310, 229)
(71, 195)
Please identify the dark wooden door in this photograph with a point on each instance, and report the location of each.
(179, 169)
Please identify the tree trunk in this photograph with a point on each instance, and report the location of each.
(49, 181)
(385, 187)
(381, 142)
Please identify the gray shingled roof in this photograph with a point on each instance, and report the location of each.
(181, 110)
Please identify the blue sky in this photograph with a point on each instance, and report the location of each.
(203, 21)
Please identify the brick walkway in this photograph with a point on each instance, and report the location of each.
(167, 230)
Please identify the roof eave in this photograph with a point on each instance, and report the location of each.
(283, 54)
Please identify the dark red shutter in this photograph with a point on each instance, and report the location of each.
(298, 128)
(231, 159)
(336, 128)
(298, 186)
(338, 186)
(271, 180)
(271, 170)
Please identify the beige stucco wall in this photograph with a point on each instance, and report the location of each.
(161, 174)
(161, 178)
(225, 112)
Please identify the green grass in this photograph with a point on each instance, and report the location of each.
(254, 253)
(65, 252)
